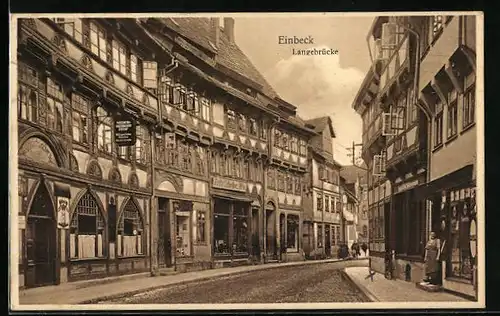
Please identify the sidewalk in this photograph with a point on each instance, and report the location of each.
(383, 290)
(86, 292)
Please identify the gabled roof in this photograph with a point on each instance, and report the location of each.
(320, 123)
(227, 54)
(351, 173)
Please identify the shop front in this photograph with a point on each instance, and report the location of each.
(454, 217)
(235, 223)
(290, 235)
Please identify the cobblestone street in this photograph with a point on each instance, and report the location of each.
(319, 283)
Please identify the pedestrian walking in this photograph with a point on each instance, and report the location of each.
(364, 247)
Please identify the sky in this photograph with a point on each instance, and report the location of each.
(317, 85)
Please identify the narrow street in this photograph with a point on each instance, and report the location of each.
(318, 283)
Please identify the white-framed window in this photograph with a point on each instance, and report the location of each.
(87, 230)
(104, 131)
(119, 57)
(142, 145)
(55, 99)
(379, 165)
(452, 118)
(98, 41)
(150, 73)
(130, 239)
(80, 108)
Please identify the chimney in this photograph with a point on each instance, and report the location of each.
(229, 29)
(214, 23)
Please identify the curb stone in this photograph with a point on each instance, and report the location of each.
(201, 279)
(361, 287)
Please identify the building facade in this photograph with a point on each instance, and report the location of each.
(322, 231)
(215, 175)
(84, 201)
(421, 89)
(355, 181)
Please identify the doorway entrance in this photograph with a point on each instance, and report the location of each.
(328, 243)
(41, 252)
(270, 224)
(164, 240)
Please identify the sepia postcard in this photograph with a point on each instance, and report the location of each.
(246, 161)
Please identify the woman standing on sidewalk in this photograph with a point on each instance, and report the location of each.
(431, 259)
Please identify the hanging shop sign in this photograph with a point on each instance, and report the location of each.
(125, 131)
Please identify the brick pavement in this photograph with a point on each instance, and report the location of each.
(85, 291)
(383, 290)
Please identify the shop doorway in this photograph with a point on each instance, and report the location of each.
(255, 233)
(164, 240)
(328, 243)
(282, 236)
(270, 231)
(41, 241)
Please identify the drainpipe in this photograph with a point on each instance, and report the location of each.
(153, 241)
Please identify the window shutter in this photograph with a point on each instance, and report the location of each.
(387, 129)
(389, 36)
(150, 71)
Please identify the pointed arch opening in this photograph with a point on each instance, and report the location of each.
(41, 246)
(130, 233)
(87, 229)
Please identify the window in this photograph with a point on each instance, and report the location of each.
(438, 124)
(452, 114)
(183, 212)
(98, 41)
(412, 108)
(253, 127)
(303, 148)
(298, 187)
(236, 169)
(149, 76)
(292, 241)
(460, 263)
(87, 230)
(231, 119)
(142, 145)
(242, 123)
(319, 202)
(28, 103)
(222, 216)
(104, 138)
(205, 109)
(184, 156)
(281, 182)
(469, 105)
(192, 104)
(327, 203)
(119, 57)
(130, 241)
(320, 236)
(284, 141)
(365, 231)
(27, 93)
(200, 160)
(201, 227)
(167, 90)
(333, 207)
(55, 99)
(134, 68)
(66, 25)
(277, 138)
(294, 144)
(271, 178)
(240, 228)
(289, 184)
(263, 130)
(80, 108)
(124, 152)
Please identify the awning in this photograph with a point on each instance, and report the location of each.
(62, 190)
(233, 196)
(460, 177)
